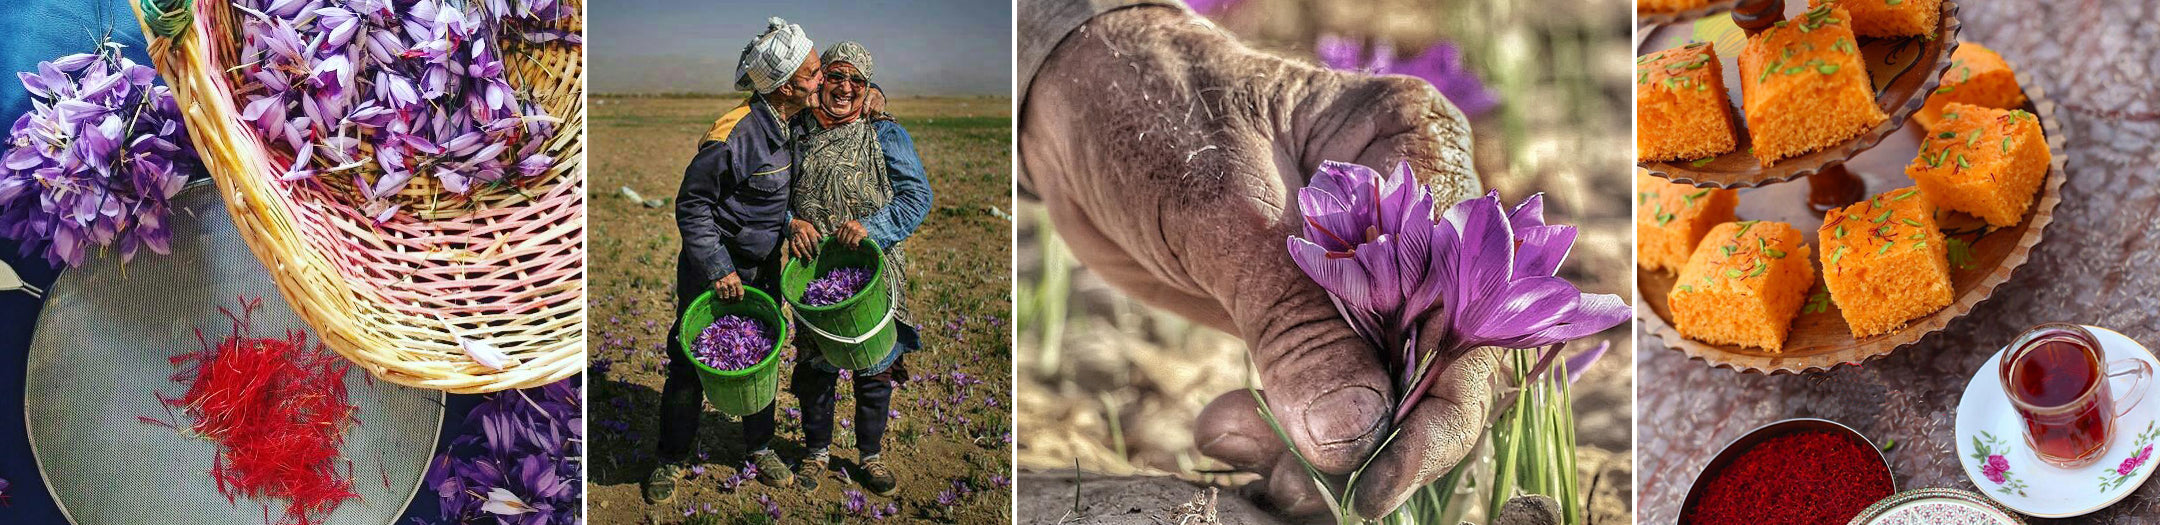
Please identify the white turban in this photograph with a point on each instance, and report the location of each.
(772, 57)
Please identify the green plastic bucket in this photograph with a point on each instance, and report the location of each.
(737, 392)
(853, 334)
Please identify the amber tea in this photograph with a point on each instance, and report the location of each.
(2057, 379)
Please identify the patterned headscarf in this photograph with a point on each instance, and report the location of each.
(852, 53)
(772, 57)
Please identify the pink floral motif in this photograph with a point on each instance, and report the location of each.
(1995, 467)
(2133, 462)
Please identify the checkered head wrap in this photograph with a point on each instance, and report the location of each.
(772, 57)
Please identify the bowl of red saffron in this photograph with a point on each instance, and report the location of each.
(1795, 471)
(734, 388)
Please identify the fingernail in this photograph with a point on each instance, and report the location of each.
(1235, 448)
(1344, 415)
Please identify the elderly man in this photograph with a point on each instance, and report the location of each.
(732, 210)
(859, 178)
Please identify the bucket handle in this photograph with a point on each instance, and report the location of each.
(866, 335)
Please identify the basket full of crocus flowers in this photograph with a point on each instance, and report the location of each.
(408, 170)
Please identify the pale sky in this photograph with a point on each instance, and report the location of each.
(947, 47)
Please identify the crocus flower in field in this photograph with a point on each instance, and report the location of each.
(772, 508)
(855, 502)
(1368, 241)
(1441, 65)
(1486, 273)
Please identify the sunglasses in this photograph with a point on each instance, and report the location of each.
(837, 76)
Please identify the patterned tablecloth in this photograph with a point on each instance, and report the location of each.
(2099, 265)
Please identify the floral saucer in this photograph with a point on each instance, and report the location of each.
(1991, 445)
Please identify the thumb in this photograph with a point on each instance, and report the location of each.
(1325, 384)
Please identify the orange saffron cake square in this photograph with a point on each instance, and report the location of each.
(1983, 161)
(1743, 285)
(1681, 109)
(1885, 261)
(1671, 217)
(1890, 18)
(1804, 86)
(1976, 76)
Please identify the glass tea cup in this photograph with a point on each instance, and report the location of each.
(2058, 379)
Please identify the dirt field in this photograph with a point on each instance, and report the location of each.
(952, 439)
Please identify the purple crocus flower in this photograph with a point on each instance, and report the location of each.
(96, 162)
(772, 508)
(1487, 274)
(836, 286)
(732, 342)
(856, 503)
(419, 82)
(517, 460)
(1368, 241)
(1441, 65)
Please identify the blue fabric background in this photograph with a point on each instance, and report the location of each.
(32, 31)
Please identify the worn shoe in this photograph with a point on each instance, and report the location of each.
(878, 477)
(771, 470)
(810, 470)
(660, 484)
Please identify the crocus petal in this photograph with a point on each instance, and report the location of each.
(1581, 362)
(485, 354)
(1343, 277)
(1530, 213)
(1540, 250)
(501, 501)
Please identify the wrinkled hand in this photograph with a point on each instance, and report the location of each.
(803, 242)
(728, 288)
(1168, 156)
(852, 233)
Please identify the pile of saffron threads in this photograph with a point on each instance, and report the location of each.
(732, 342)
(278, 410)
(837, 285)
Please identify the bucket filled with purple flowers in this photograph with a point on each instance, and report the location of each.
(840, 299)
(735, 345)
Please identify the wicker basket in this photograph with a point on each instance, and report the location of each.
(505, 268)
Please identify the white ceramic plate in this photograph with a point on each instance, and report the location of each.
(1987, 428)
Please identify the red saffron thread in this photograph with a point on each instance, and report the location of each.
(278, 410)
